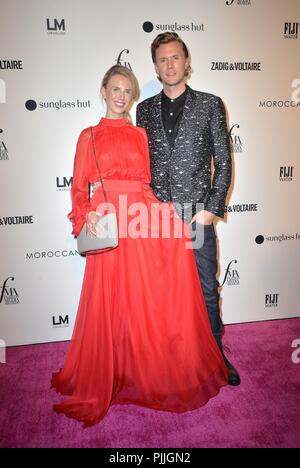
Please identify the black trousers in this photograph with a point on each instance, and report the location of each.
(206, 259)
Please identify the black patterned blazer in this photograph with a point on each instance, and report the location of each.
(183, 174)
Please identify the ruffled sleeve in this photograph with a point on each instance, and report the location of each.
(146, 154)
(80, 185)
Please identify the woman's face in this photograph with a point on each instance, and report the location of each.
(118, 96)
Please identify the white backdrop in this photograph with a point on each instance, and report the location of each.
(52, 58)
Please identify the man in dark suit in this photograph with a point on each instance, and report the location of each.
(187, 131)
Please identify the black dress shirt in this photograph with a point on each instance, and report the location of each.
(171, 110)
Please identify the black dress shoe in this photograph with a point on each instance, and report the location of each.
(233, 377)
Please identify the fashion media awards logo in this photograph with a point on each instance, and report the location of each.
(2, 92)
(60, 321)
(231, 277)
(3, 149)
(58, 104)
(193, 26)
(55, 26)
(235, 139)
(271, 300)
(8, 293)
(238, 2)
(291, 30)
(123, 59)
(286, 173)
(64, 183)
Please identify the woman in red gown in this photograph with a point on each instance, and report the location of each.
(142, 335)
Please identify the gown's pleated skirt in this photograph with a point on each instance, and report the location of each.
(142, 334)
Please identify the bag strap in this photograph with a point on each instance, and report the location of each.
(101, 180)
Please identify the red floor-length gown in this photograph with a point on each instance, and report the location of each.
(142, 334)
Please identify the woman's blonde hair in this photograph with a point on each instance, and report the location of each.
(124, 71)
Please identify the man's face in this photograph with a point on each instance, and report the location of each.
(171, 63)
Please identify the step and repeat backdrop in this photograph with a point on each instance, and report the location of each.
(53, 56)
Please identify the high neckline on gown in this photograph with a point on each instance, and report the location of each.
(113, 122)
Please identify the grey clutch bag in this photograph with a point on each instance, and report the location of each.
(106, 236)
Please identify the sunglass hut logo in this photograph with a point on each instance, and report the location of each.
(193, 26)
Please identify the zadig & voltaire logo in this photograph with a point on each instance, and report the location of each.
(241, 208)
(13, 220)
(11, 65)
(236, 66)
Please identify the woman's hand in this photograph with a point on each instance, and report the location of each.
(95, 186)
(92, 220)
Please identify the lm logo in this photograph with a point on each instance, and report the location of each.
(56, 25)
(64, 183)
(62, 321)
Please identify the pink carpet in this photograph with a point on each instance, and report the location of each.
(264, 411)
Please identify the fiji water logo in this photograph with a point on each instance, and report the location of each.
(291, 30)
(286, 173)
(271, 300)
